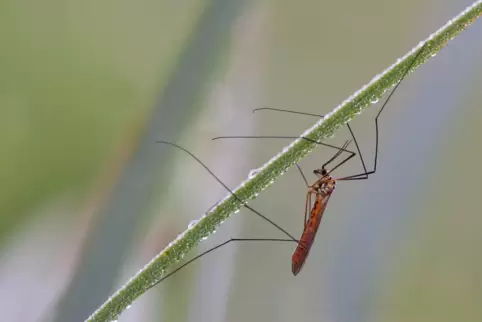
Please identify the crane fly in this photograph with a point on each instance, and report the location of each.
(322, 189)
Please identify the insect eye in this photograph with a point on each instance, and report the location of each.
(323, 172)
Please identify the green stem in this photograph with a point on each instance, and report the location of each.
(279, 164)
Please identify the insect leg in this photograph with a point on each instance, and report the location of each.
(219, 246)
(302, 175)
(363, 176)
(307, 208)
(342, 149)
(319, 116)
(227, 188)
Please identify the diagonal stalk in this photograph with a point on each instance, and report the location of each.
(154, 271)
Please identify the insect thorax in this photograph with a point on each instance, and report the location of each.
(327, 186)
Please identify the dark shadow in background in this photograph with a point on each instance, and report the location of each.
(112, 235)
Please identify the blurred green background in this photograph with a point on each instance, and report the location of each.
(87, 197)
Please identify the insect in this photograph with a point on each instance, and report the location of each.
(322, 189)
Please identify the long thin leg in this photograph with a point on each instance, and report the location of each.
(308, 195)
(342, 149)
(341, 163)
(245, 205)
(219, 246)
(337, 154)
(281, 137)
(288, 111)
(307, 207)
(302, 174)
(365, 173)
(363, 176)
(227, 188)
(319, 116)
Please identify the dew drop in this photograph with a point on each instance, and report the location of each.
(252, 173)
(374, 99)
(192, 223)
(433, 54)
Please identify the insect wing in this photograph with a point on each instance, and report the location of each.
(309, 233)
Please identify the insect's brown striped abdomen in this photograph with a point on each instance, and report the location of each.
(308, 236)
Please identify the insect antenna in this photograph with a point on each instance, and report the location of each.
(337, 154)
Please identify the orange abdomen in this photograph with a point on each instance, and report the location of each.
(308, 236)
(301, 251)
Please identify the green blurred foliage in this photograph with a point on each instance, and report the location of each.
(437, 274)
(73, 76)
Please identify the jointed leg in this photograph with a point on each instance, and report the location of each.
(227, 188)
(219, 246)
(302, 175)
(363, 176)
(307, 206)
(342, 149)
(319, 116)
